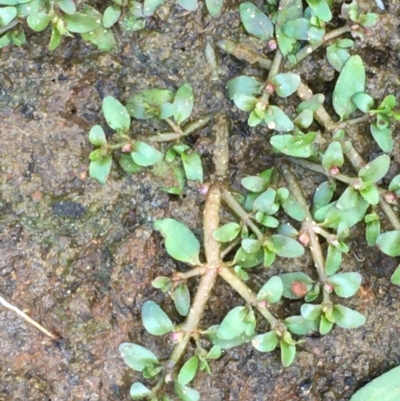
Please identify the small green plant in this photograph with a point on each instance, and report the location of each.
(134, 154)
(269, 218)
(94, 26)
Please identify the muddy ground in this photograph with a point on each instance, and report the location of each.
(79, 257)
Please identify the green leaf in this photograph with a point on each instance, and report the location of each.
(189, 5)
(297, 28)
(295, 145)
(288, 10)
(115, 114)
(214, 353)
(161, 283)
(394, 185)
(81, 23)
(265, 342)
(144, 154)
(244, 85)
(193, 167)
(373, 228)
(346, 284)
(137, 357)
(333, 156)
(248, 260)
(111, 16)
(368, 20)
(323, 195)
(97, 136)
(313, 103)
(337, 56)
(395, 279)
(321, 9)
(370, 193)
(389, 243)
(183, 103)
(228, 232)
(254, 183)
(348, 199)
(347, 318)
(255, 21)
(244, 102)
(7, 14)
(55, 39)
(300, 326)
(288, 353)
(150, 6)
(383, 137)
(138, 391)
(188, 370)
(214, 7)
(285, 84)
(100, 169)
(351, 81)
(68, 6)
(265, 202)
(311, 312)
(183, 392)
(181, 297)
(291, 280)
(147, 103)
(128, 165)
(304, 119)
(363, 101)
(287, 247)
(234, 323)
(325, 326)
(333, 260)
(226, 344)
(375, 170)
(383, 388)
(293, 208)
(272, 290)
(38, 21)
(155, 320)
(180, 242)
(276, 119)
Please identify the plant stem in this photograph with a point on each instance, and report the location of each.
(234, 205)
(352, 155)
(309, 224)
(221, 146)
(308, 49)
(246, 293)
(212, 251)
(175, 127)
(197, 271)
(243, 52)
(276, 63)
(27, 318)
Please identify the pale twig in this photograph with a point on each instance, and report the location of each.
(27, 318)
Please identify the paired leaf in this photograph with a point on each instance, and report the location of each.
(375, 170)
(137, 357)
(346, 284)
(265, 342)
(180, 242)
(183, 103)
(255, 21)
(139, 391)
(351, 81)
(389, 243)
(188, 370)
(100, 169)
(295, 145)
(228, 232)
(272, 290)
(144, 154)
(116, 114)
(285, 84)
(155, 320)
(97, 136)
(214, 7)
(347, 318)
(181, 298)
